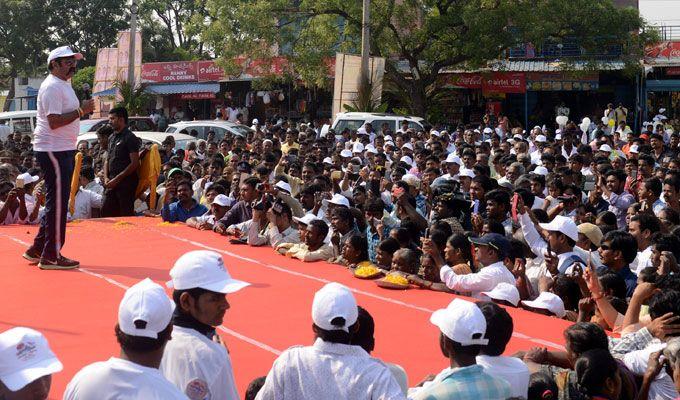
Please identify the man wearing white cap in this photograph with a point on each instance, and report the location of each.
(26, 364)
(195, 360)
(331, 368)
(54, 144)
(462, 329)
(220, 205)
(143, 331)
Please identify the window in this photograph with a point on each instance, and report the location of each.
(171, 129)
(23, 81)
(377, 124)
(352, 124)
(142, 125)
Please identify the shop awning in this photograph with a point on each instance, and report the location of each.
(666, 85)
(107, 92)
(165, 88)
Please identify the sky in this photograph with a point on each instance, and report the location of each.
(661, 12)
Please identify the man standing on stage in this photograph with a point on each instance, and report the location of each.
(120, 168)
(54, 143)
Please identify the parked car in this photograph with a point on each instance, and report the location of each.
(17, 121)
(355, 120)
(181, 140)
(142, 124)
(203, 127)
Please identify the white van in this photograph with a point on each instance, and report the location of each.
(17, 121)
(355, 120)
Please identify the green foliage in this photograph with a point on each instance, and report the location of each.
(366, 100)
(135, 99)
(83, 75)
(426, 36)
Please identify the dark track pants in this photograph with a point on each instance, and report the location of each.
(57, 167)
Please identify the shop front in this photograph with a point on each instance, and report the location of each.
(662, 80)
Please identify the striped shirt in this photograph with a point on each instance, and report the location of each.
(467, 383)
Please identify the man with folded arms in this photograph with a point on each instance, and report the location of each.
(196, 360)
(26, 365)
(331, 368)
(143, 331)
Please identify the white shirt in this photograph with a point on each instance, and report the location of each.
(482, 281)
(55, 97)
(662, 387)
(86, 200)
(642, 260)
(194, 363)
(233, 113)
(118, 379)
(272, 236)
(95, 186)
(329, 371)
(511, 369)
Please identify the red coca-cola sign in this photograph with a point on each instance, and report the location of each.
(462, 81)
(504, 82)
(170, 72)
(663, 52)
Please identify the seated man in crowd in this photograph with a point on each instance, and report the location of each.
(278, 227)
(180, 204)
(314, 248)
(220, 205)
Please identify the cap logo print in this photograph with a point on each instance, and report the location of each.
(220, 264)
(26, 351)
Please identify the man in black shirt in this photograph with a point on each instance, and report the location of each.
(120, 169)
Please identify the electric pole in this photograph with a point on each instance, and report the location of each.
(365, 40)
(133, 37)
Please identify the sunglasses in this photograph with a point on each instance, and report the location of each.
(605, 247)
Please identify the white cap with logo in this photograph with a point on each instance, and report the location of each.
(562, 224)
(63, 52)
(462, 322)
(337, 199)
(223, 200)
(24, 357)
(334, 301)
(203, 269)
(506, 292)
(145, 310)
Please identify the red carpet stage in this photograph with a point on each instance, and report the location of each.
(77, 309)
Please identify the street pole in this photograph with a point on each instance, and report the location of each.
(133, 36)
(365, 38)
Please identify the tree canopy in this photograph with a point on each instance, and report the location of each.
(419, 38)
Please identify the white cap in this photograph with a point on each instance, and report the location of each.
(548, 301)
(466, 172)
(145, 310)
(606, 148)
(662, 110)
(506, 292)
(435, 133)
(305, 219)
(328, 160)
(541, 139)
(412, 180)
(388, 143)
(284, 186)
(388, 138)
(462, 322)
(255, 121)
(518, 137)
(346, 153)
(63, 52)
(362, 131)
(357, 148)
(541, 170)
(28, 178)
(203, 269)
(453, 158)
(25, 356)
(267, 140)
(488, 130)
(407, 145)
(562, 224)
(633, 149)
(337, 199)
(371, 149)
(334, 301)
(223, 200)
(408, 160)
(558, 136)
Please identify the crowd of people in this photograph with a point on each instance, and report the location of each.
(580, 222)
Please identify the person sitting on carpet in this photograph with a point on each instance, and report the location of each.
(314, 248)
(405, 261)
(242, 210)
(279, 229)
(26, 374)
(355, 252)
(384, 252)
(196, 360)
(343, 226)
(184, 207)
(462, 333)
(143, 331)
(332, 368)
(220, 205)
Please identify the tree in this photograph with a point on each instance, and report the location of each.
(134, 99)
(419, 38)
(81, 77)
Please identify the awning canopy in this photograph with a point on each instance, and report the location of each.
(107, 92)
(666, 85)
(178, 88)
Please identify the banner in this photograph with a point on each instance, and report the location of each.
(663, 53)
(673, 71)
(197, 96)
(562, 81)
(209, 71)
(170, 72)
(504, 82)
(462, 81)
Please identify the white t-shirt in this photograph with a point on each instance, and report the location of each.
(55, 97)
(511, 369)
(199, 367)
(118, 379)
